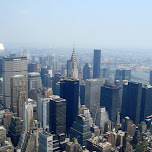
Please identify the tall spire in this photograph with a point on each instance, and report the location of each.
(73, 57)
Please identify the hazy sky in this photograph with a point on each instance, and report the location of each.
(88, 23)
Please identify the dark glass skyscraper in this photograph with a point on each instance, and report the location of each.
(110, 100)
(81, 129)
(86, 72)
(150, 80)
(146, 103)
(69, 90)
(134, 101)
(96, 63)
(57, 115)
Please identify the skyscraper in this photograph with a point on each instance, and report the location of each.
(32, 67)
(150, 80)
(19, 94)
(34, 81)
(92, 94)
(57, 77)
(45, 141)
(86, 72)
(123, 75)
(146, 104)
(43, 111)
(69, 90)
(72, 70)
(134, 101)
(96, 63)
(12, 66)
(27, 117)
(57, 115)
(81, 129)
(110, 100)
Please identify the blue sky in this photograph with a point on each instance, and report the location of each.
(88, 23)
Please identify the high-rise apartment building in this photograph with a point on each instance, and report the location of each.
(96, 63)
(69, 90)
(12, 66)
(92, 94)
(57, 115)
(110, 100)
(86, 72)
(72, 70)
(19, 94)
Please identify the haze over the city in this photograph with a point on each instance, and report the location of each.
(87, 23)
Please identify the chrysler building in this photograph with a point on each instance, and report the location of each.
(72, 70)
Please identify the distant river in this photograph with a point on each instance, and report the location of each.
(137, 76)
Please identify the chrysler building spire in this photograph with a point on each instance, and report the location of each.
(72, 70)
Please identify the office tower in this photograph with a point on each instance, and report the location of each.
(86, 72)
(45, 141)
(27, 117)
(19, 94)
(1, 67)
(32, 67)
(81, 130)
(72, 70)
(69, 90)
(146, 104)
(47, 81)
(124, 100)
(126, 75)
(150, 79)
(110, 100)
(57, 115)
(57, 77)
(85, 111)
(34, 81)
(122, 75)
(15, 130)
(82, 94)
(2, 50)
(134, 101)
(106, 73)
(92, 95)
(1, 86)
(12, 66)
(43, 72)
(96, 63)
(102, 118)
(43, 111)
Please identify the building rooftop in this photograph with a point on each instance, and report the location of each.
(18, 76)
(34, 74)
